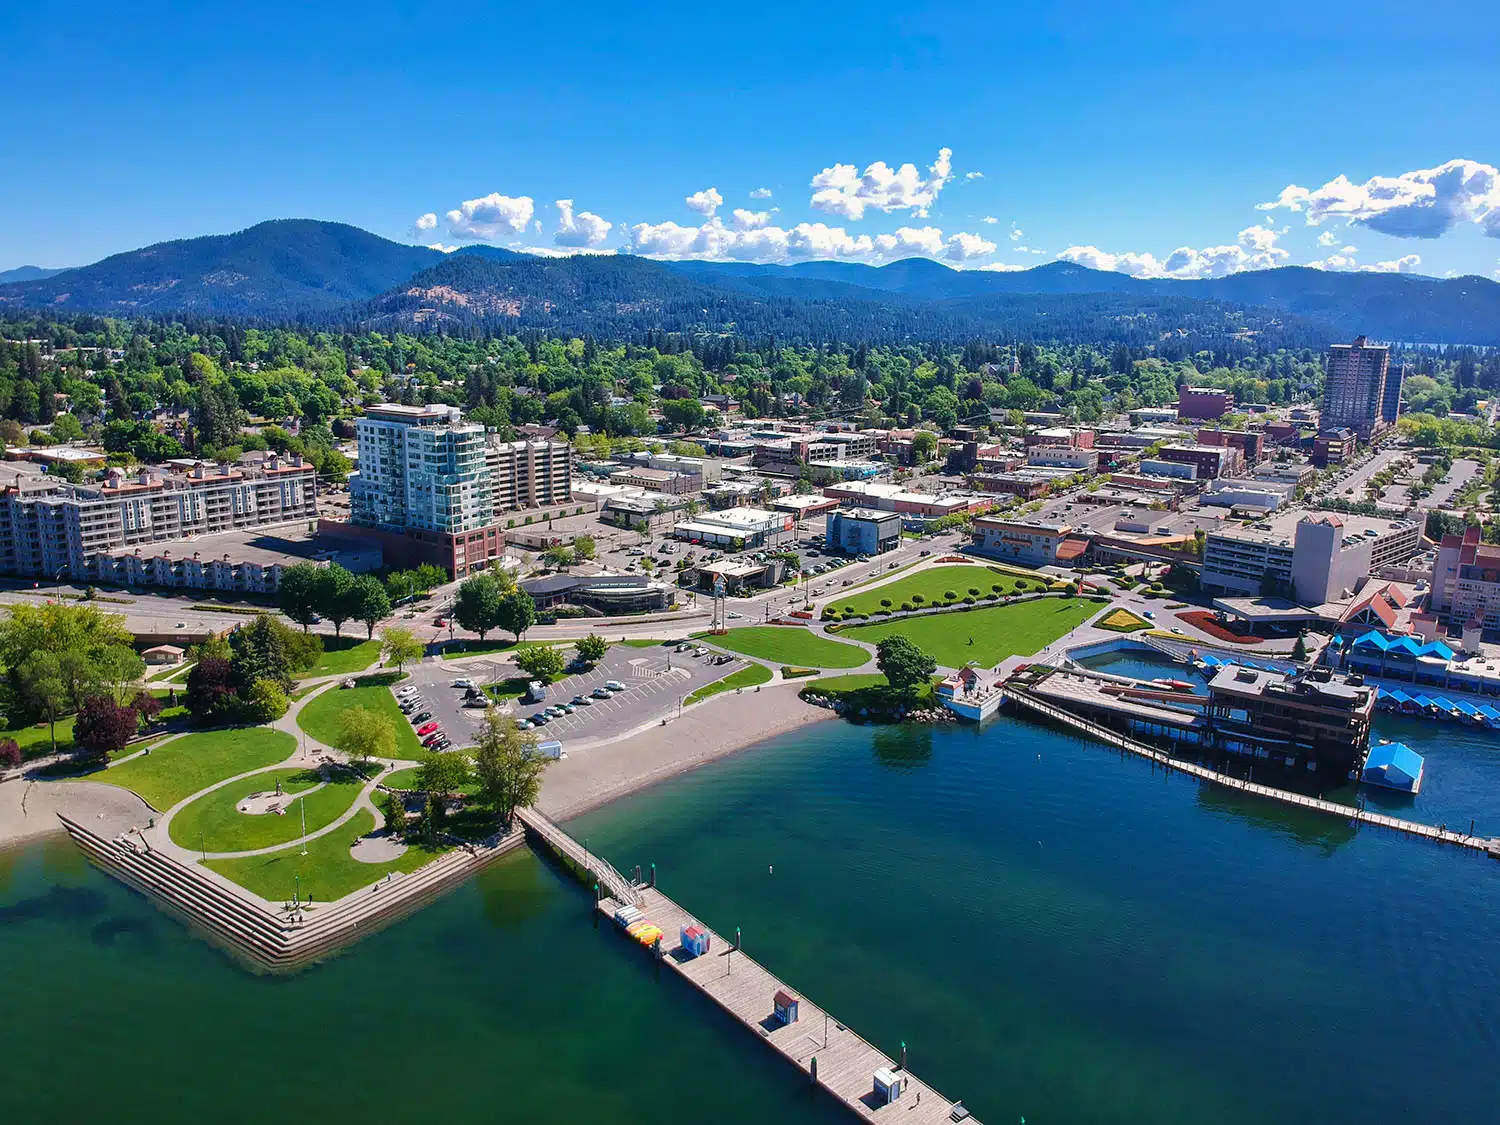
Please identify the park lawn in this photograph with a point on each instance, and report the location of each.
(327, 872)
(320, 717)
(987, 635)
(745, 677)
(213, 823)
(641, 642)
(180, 768)
(407, 779)
(932, 585)
(35, 741)
(343, 655)
(790, 644)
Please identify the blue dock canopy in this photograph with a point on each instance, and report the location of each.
(1394, 765)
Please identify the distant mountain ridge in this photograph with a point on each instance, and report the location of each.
(28, 273)
(312, 270)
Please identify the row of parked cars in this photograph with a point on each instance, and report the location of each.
(429, 730)
(607, 690)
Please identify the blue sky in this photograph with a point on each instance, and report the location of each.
(1138, 137)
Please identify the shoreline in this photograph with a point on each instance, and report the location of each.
(29, 809)
(594, 776)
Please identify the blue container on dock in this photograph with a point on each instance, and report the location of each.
(785, 1006)
(695, 940)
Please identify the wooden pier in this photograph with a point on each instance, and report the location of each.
(1485, 844)
(845, 1063)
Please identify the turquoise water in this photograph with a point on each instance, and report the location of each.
(1055, 932)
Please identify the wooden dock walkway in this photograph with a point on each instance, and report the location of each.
(846, 1063)
(611, 883)
(1486, 844)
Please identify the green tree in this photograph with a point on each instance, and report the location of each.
(506, 764)
(395, 813)
(477, 606)
(543, 662)
(338, 597)
(258, 652)
(67, 428)
(923, 445)
(584, 548)
(903, 664)
(1299, 650)
(364, 734)
(298, 593)
(591, 649)
(399, 646)
(517, 613)
(370, 602)
(44, 688)
(444, 773)
(266, 702)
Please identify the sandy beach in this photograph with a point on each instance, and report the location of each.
(595, 775)
(30, 808)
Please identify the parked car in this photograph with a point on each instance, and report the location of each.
(463, 683)
(476, 701)
(414, 704)
(421, 717)
(427, 728)
(524, 724)
(566, 708)
(601, 693)
(540, 719)
(582, 701)
(614, 685)
(440, 744)
(1148, 615)
(554, 712)
(433, 739)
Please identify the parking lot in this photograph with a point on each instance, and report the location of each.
(656, 680)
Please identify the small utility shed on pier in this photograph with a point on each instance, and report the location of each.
(1394, 765)
(785, 1006)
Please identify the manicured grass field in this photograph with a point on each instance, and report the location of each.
(327, 872)
(932, 584)
(35, 741)
(987, 635)
(407, 779)
(791, 644)
(212, 822)
(343, 655)
(185, 765)
(745, 677)
(320, 718)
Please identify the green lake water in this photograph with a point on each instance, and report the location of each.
(1057, 934)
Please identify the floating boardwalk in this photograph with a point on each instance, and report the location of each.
(1486, 844)
(837, 1058)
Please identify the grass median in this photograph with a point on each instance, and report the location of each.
(746, 677)
(790, 644)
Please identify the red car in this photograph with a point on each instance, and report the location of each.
(428, 728)
(440, 622)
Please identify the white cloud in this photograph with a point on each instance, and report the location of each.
(440, 246)
(1003, 267)
(761, 193)
(581, 229)
(426, 222)
(750, 220)
(989, 220)
(536, 225)
(1424, 203)
(840, 189)
(705, 202)
(1255, 249)
(909, 241)
(963, 247)
(1327, 238)
(491, 217)
(1407, 263)
(1343, 260)
(1016, 233)
(1039, 251)
(973, 175)
(564, 251)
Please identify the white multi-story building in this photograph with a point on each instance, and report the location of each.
(1314, 557)
(528, 474)
(51, 528)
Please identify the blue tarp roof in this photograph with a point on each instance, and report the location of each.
(1211, 660)
(1396, 755)
(1445, 703)
(1467, 708)
(1403, 646)
(1372, 639)
(1489, 712)
(1422, 701)
(1395, 693)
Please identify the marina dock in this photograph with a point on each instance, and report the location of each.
(828, 1052)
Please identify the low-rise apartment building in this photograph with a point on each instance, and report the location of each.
(1022, 541)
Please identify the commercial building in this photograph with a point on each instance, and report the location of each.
(1176, 470)
(1354, 390)
(1250, 443)
(49, 527)
(528, 473)
(656, 480)
(1203, 403)
(703, 467)
(1027, 483)
(1060, 437)
(863, 531)
(608, 593)
(1319, 719)
(1208, 461)
(735, 528)
(1063, 457)
(1466, 581)
(1026, 543)
(1228, 493)
(1334, 447)
(1315, 557)
(423, 488)
(894, 498)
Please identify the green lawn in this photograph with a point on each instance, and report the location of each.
(185, 765)
(640, 642)
(745, 677)
(327, 871)
(35, 741)
(790, 644)
(407, 779)
(932, 586)
(343, 655)
(320, 718)
(987, 635)
(212, 822)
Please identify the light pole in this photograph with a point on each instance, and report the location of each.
(302, 805)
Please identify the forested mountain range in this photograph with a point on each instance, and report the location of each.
(26, 273)
(334, 275)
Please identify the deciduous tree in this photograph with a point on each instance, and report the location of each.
(444, 773)
(591, 649)
(44, 688)
(903, 664)
(477, 607)
(104, 726)
(507, 765)
(365, 734)
(298, 593)
(370, 602)
(210, 689)
(516, 613)
(542, 661)
(400, 646)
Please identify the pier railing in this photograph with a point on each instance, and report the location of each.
(611, 882)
